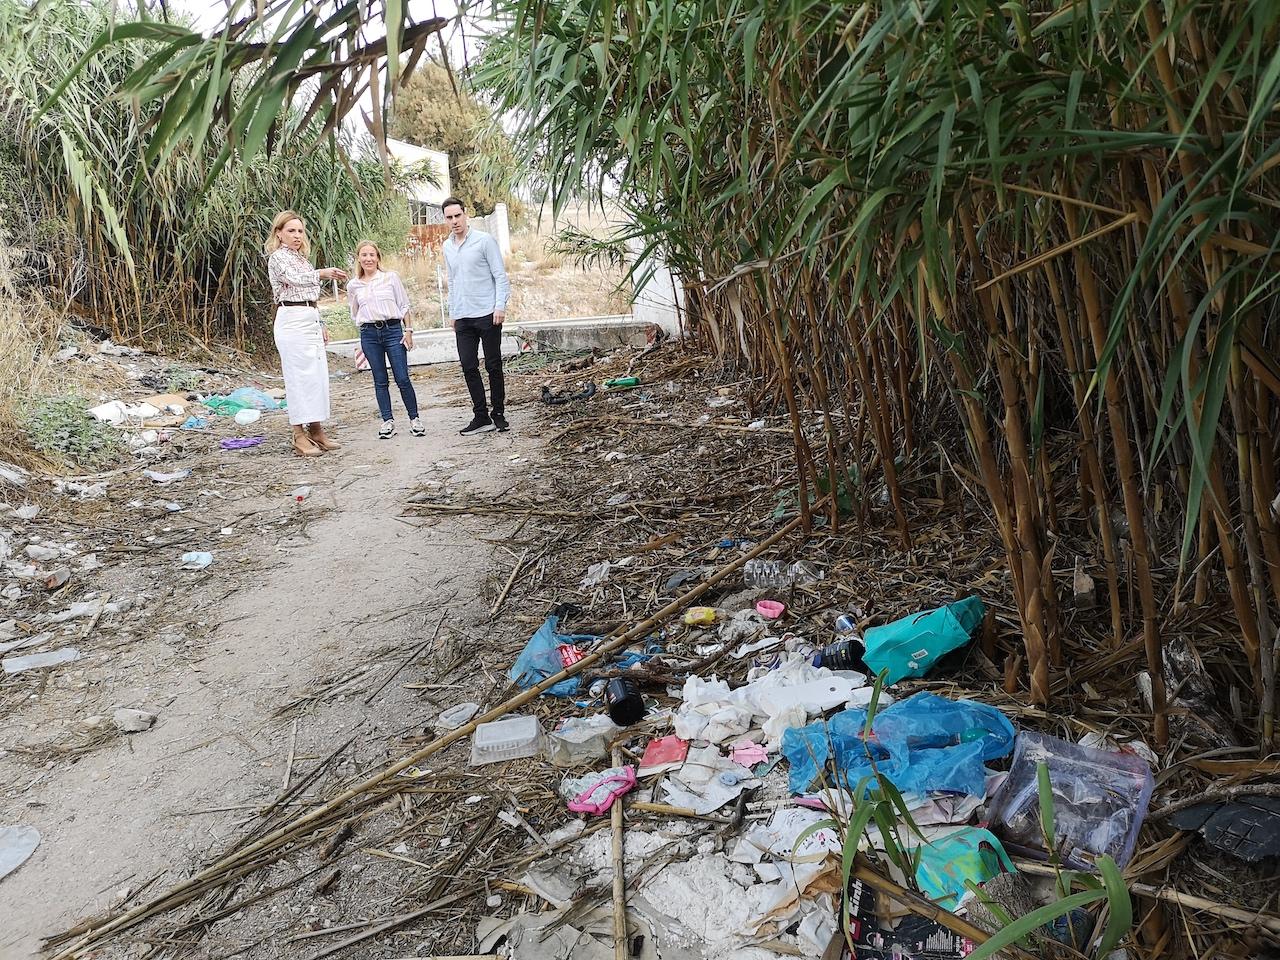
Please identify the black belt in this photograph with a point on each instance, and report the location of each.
(381, 324)
(297, 303)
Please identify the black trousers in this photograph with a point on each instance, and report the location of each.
(470, 333)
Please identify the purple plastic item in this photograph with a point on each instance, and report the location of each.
(1100, 798)
(240, 443)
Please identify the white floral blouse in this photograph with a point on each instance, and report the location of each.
(292, 277)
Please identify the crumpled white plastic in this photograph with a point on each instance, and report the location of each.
(782, 698)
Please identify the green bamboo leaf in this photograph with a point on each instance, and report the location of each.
(1120, 907)
(1033, 921)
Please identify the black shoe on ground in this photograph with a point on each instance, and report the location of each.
(500, 422)
(477, 425)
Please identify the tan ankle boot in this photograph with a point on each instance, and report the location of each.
(321, 439)
(302, 445)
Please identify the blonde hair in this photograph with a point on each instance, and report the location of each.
(360, 246)
(273, 239)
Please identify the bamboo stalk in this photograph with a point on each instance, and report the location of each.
(619, 877)
(1129, 486)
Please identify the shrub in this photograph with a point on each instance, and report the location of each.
(59, 427)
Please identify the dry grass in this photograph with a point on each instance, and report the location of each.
(29, 332)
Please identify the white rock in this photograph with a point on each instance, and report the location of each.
(40, 553)
(133, 721)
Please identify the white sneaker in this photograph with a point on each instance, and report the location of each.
(416, 428)
(387, 430)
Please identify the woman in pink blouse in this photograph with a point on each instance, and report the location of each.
(380, 308)
(299, 332)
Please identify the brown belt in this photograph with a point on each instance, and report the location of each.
(297, 303)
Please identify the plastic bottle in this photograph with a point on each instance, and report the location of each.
(846, 626)
(841, 655)
(625, 704)
(760, 574)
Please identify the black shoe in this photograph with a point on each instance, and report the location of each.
(500, 422)
(478, 424)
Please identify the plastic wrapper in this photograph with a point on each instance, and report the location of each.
(1100, 798)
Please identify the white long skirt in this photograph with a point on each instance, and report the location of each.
(304, 363)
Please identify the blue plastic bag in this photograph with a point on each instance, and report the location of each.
(923, 743)
(539, 659)
(910, 646)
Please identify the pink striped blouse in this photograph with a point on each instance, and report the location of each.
(380, 297)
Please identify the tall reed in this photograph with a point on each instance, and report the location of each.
(1057, 220)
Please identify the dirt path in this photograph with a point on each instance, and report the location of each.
(350, 589)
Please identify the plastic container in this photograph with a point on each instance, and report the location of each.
(626, 706)
(580, 740)
(759, 574)
(1100, 798)
(508, 739)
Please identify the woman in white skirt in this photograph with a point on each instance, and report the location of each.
(300, 335)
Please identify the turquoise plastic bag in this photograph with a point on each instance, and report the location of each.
(243, 398)
(969, 853)
(910, 646)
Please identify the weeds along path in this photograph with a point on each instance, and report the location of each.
(246, 664)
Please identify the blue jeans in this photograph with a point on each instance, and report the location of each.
(379, 345)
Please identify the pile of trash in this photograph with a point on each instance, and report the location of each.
(742, 797)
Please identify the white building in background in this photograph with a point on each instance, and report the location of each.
(424, 199)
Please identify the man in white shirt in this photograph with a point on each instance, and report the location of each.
(478, 292)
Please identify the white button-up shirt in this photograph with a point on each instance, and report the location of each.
(380, 297)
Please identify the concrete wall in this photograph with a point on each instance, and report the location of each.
(660, 301)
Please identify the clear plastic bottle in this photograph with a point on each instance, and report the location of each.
(759, 574)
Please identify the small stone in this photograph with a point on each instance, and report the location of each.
(94, 721)
(128, 720)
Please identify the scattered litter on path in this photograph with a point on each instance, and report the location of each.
(240, 443)
(196, 560)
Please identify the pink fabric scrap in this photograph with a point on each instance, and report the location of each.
(599, 796)
(748, 754)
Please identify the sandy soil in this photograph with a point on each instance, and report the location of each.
(244, 662)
